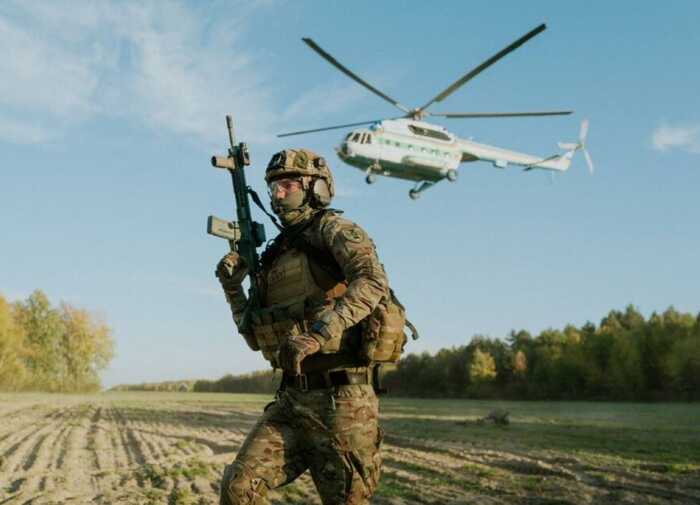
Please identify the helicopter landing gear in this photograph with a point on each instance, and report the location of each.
(374, 167)
(452, 175)
(414, 194)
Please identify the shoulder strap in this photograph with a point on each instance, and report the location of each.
(294, 237)
(322, 257)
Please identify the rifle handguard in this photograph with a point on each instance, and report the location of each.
(223, 162)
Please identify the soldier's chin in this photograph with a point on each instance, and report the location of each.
(290, 217)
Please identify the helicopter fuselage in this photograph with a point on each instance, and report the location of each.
(402, 148)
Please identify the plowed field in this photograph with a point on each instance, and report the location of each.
(154, 448)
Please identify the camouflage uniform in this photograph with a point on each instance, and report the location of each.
(325, 420)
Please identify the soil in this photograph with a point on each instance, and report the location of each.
(171, 449)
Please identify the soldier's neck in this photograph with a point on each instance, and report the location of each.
(297, 218)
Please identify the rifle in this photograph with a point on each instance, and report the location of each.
(244, 235)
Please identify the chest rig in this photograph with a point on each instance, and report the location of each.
(299, 283)
(296, 291)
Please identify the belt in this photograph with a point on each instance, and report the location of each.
(324, 380)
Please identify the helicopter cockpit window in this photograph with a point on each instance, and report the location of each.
(347, 137)
(369, 138)
(425, 132)
(356, 137)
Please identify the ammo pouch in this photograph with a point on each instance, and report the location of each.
(271, 327)
(383, 337)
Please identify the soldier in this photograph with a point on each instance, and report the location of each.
(320, 281)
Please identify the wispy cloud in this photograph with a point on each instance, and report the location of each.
(154, 63)
(681, 136)
(324, 100)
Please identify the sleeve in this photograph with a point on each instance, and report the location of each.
(237, 301)
(356, 255)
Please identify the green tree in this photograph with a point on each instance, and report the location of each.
(625, 374)
(684, 363)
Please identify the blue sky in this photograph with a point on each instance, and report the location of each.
(110, 111)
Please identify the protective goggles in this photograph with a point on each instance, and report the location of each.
(284, 185)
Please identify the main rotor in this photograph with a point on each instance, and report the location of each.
(418, 113)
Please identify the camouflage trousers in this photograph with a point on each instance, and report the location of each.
(334, 434)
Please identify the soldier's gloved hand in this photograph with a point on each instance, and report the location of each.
(231, 271)
(294, 350)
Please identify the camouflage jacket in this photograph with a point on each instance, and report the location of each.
(355, 255)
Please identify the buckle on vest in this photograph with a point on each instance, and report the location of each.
(302, 382)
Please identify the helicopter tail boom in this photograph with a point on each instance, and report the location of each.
(501, 158)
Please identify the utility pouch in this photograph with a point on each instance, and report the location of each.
(383, 338)
(271, 327)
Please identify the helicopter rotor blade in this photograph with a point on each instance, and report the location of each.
(330, 59)
(301, 132)
(589, 161)
(499, 114)
(583, 133)
(477, 70)
(568, 146)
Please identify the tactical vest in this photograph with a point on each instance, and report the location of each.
(297, 289)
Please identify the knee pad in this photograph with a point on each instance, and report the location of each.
(240, 486)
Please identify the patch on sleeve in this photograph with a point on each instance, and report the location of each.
(353, 234)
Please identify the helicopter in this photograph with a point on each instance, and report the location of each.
(409, 148)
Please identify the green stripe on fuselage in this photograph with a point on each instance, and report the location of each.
(398, 170)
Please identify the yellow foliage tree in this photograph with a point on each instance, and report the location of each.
(41, 325)
(519, 364)
(59, 349)
(12, 350)
(86, 349)
(482, 367)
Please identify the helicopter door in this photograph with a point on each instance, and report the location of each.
(378, 152)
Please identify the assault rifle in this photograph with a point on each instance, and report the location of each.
(244, 235)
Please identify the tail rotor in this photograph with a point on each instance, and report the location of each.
(581, 145)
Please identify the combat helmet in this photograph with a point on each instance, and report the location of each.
(310, 167)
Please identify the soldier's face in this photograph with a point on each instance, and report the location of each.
(286, 194)
(280, 188)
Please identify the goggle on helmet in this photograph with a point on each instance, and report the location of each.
(309, 167)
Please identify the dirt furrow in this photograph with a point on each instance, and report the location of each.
(168, 446)
(78, 465)
(32, 456)
(113, 441)
(61, 447)
(12, 443)
(131, 450)
(146, 438)
(94, 440)
(20, 457)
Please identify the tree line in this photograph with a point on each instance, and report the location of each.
(177, 386)
(264, 382)
(53, 349)
(624, 357)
